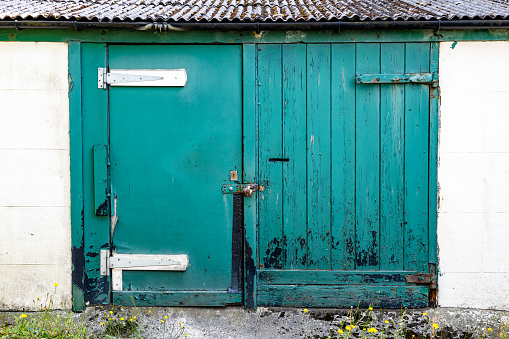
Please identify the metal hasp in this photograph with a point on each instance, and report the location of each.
(141, 77)
(416, 78)
(246, 189)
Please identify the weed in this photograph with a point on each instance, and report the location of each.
(370, 324)
(48, 323)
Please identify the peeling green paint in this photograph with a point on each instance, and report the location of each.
(454, 44)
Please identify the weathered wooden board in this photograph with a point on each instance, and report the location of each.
(368, 160)
(177, 298)
(294, 149)
(392, 164)
(270, 147)
(318, 156)
(342, 296)
(416, 160)
(318, 277)
(343, 157)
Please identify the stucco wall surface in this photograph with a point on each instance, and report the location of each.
(35, 235)
(473, 222)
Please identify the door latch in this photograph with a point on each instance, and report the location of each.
(245, 189)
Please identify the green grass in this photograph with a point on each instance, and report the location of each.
(46, 323)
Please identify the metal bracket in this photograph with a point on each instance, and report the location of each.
(141, 77)
(424, 278)
(416, 78)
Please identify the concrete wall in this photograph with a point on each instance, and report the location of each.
(473, 223)
(35, 235)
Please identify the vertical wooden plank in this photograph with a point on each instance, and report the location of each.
(95, 132)
(76, 153)
(392, 141)
(416, 160)
(343, 156)
(250, 135)
(270, 147)
(433, 157)
(318, 157)
(294, 149)
(368, 159)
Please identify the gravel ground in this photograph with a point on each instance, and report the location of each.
(237, 322)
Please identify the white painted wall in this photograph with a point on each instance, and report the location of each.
(473, 223)
(35, 234)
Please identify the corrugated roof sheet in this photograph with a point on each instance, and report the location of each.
(252, 10)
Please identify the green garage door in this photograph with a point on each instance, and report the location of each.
(344, 158)
(171, 150)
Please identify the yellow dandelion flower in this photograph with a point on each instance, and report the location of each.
(162, 321)
(387, 321)
(305, 310)
(179, 322)
(425, 313)
(348, 328)
(111, 312)
(38, 298)
(102, 324)
(122, 319)
(131, 320)
(435, 326)
(372, 330)
(371, 308)
(134, 317)
(353, 326)
(23, 316)
(149, 311)
(489, 329)
(165, 317)
(186, 335)
(340, 331)
(55, 284)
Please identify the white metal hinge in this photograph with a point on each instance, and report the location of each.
(139, 262)
(141, 77)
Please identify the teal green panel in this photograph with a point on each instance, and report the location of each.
(319, 277)
(270, 200)
(76, 155)
(179, 298)
(392, 147)
(343, 156)
(342, 296)
(318, 156)
(416, 160)
(249, 159)
(433, 157)
(100, 179)
(171, 150)
(368, 160)
(294, 143)
(95, 132)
